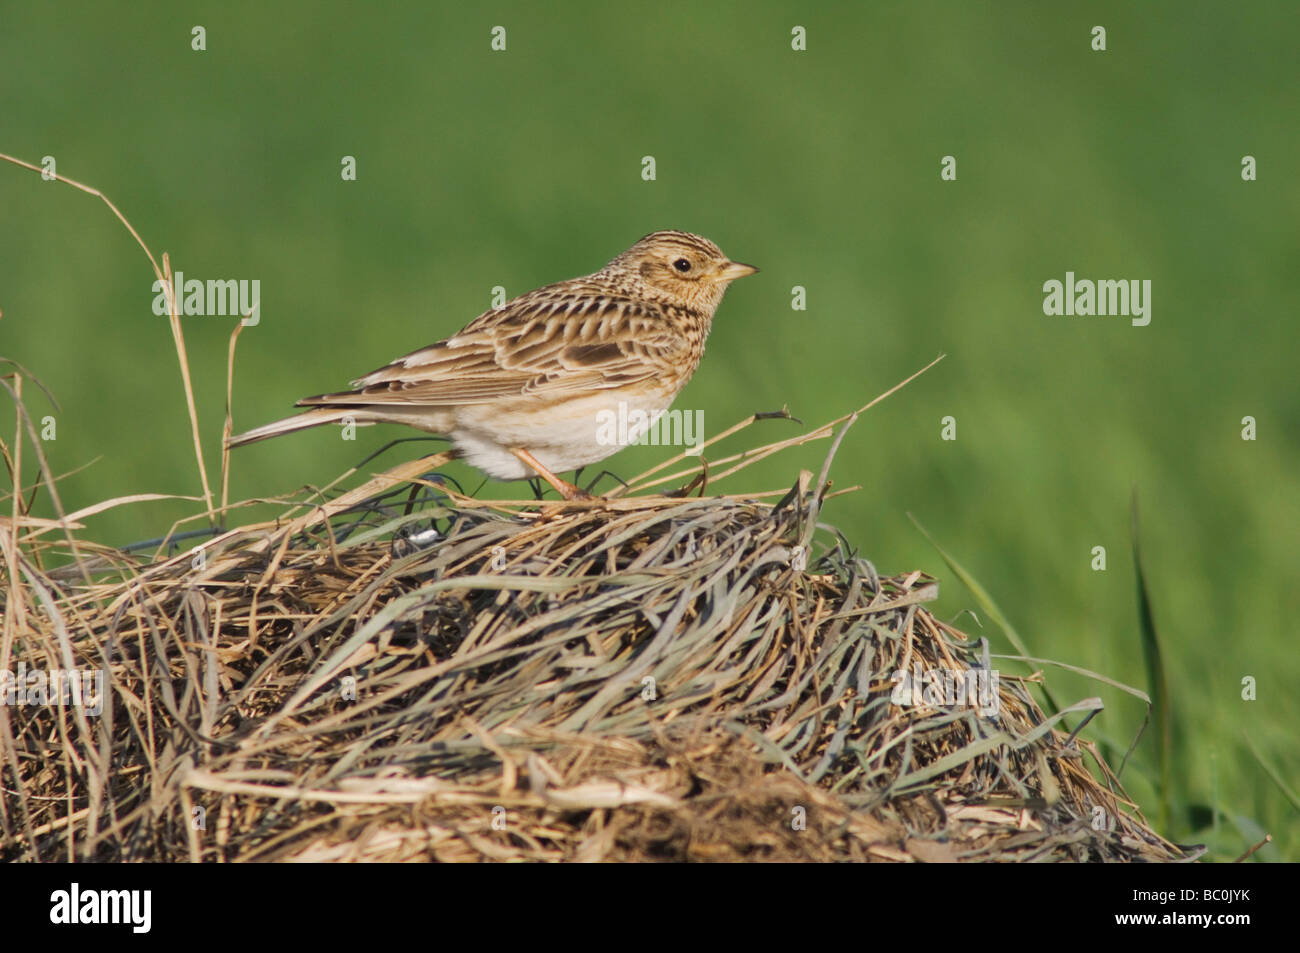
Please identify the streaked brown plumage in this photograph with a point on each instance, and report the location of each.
(519, 389)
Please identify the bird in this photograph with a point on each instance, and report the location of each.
(521, 389)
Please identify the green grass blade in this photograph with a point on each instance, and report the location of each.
(1156, 679)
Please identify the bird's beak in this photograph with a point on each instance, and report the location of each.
(735, 269)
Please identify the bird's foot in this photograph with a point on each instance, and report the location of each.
(572, 492)
(562, 487)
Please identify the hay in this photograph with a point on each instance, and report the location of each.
(404, 672)
(401, 672)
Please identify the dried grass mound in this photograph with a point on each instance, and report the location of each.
(409, 674)
(401, 672)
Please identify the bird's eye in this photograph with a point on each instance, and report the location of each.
(682, 265)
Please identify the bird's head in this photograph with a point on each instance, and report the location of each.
(681, 268)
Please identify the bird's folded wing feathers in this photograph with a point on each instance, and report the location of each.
(589, 343)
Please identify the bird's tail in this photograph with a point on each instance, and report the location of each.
(309, 418)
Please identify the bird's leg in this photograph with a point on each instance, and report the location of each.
(566, 490)
(596, 479)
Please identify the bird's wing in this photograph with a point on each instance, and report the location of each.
(539, 343)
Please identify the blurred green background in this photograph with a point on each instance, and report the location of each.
(479, 168)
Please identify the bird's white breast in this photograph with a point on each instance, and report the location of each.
(565, 435)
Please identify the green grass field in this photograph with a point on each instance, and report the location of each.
(478, 168)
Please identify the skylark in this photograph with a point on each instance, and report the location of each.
(520, 390)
